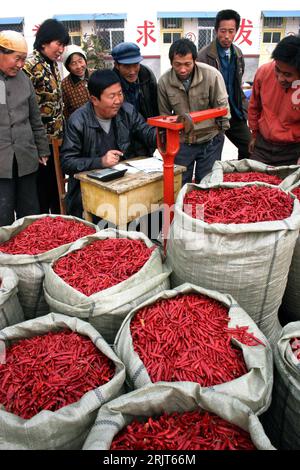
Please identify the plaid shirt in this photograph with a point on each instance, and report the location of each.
(74, 94)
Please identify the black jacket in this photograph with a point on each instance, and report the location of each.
(148, 106)
(81, 149)
(209, 55)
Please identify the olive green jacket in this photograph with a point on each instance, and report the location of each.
(207, 91)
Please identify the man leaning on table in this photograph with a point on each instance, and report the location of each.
(101, 133)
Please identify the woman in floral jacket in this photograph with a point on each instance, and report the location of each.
(42, 69)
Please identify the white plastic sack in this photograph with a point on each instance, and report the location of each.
(249, 261)
(67, 427)
(10, 309)
(106, 310)
(282, 420)
(291, 298)
(253, 389)
(29, 268)
(163, 397)
(242, 166)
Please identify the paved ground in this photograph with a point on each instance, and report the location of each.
(229, 151)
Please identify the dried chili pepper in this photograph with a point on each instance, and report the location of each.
(102, 264)
(251, 176)
(45, 234)
(187, 338)
(191, 430)
(296, 192)
(295, 345)
(50, 371)
(248, 204)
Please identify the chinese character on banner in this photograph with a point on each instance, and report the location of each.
(145, 31)
(244, 32)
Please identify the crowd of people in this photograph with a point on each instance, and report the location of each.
(101, 115)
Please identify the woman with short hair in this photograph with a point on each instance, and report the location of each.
(42, 68)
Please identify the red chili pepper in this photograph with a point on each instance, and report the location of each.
(47, 372)
(192, 430)
(102, 264)
(295, 345)
(45, 234)
(187, 338)
(250, 176)
(296, 191)
(245, 205)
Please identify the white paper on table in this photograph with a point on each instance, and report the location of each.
(130, 169)
(147, 165)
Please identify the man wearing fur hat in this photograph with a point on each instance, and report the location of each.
(23, 140)
(74, 86)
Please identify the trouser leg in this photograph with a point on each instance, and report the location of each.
(47, 187)
(186, 157)
(26, 196)
(7, 201)
(239, 134)
(275, 154)
(207, 155)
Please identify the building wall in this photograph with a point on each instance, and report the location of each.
(145, 18)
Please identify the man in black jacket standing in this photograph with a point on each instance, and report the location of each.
(229, 60)
(138, 82)
(101, 133)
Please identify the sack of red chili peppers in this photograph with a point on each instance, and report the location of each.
(290, 307)
(167, 416)
(282, 420)
(247, 170)
(58, 371)
(197, 335)
(104, 276)
(32, 241)
(236, 238)
(10, 309)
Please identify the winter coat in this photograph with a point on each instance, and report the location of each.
(21, 130)
(47, 85)
(207, 90)
(83, 140)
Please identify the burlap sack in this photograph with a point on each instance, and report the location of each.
(163, 397)
(249, 261)
(282, 420)
(253, 389)
(67, 427)
(107, 309)
(29, 268)
(243, 166)
(10, 309)
(291, 299)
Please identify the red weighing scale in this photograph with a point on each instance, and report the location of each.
(170, 132)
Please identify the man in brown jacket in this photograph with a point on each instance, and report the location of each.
(186, 87)
(228, 59)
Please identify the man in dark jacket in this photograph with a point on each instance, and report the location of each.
(228, 59)
(138, 83)
(101, 133)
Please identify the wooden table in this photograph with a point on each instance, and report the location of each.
(122, 200)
